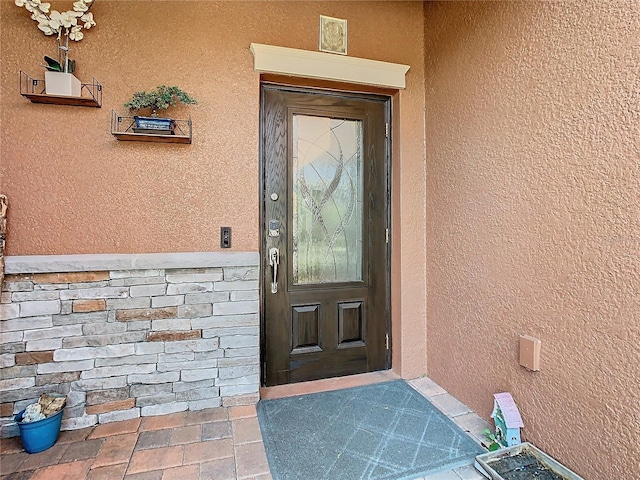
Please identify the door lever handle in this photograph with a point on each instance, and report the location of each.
(274, 261)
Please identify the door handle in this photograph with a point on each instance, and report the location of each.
(274, 261)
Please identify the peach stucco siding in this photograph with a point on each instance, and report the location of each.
(516, 213)
(73, 188)
(533, 214)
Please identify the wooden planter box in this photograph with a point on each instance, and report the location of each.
(484, 463)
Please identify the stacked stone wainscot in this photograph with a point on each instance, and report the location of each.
(125, 336)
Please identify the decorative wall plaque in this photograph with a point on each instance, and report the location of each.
(333, 35)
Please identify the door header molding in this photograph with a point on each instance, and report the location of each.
(327, 66)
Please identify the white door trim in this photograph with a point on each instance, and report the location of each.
(327, 66)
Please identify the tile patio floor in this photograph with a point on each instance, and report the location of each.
(214, 444)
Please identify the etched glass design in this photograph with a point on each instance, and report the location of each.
(327, 200)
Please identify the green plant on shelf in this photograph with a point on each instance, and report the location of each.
(161, 98)
(54, 65)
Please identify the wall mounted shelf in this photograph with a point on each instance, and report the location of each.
(34, 90)
(122, 128)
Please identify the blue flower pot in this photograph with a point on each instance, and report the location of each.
(40, 435)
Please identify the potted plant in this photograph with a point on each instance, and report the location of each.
(161, 98)
(40, 422)
(59, 78)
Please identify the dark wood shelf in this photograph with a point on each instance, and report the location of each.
(61, 100)
(34, 89)
(122, 127)
(149, 137)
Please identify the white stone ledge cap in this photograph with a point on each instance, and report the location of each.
(327, 66)
(134, 261)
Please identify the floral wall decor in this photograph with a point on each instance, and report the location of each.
(66, 26)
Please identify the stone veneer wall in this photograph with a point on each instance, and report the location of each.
(171, 332)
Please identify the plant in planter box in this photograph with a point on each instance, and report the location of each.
(66, 26)
(161, 98)
(492, 443)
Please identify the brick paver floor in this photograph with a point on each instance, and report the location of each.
(214, 444)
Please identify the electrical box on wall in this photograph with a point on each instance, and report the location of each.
(225, 237)
(530, 352)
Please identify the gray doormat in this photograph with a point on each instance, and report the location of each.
(382, 431)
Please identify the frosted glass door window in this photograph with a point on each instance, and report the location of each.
(327, 200)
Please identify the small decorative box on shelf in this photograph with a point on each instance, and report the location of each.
(90, 94)
(132, 129)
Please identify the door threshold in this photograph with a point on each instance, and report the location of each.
(326, 384)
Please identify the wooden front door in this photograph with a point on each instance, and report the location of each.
(325, 217)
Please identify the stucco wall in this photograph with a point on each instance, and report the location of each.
(73, 188)
(533, 216)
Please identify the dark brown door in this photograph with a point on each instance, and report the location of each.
(325, 239)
